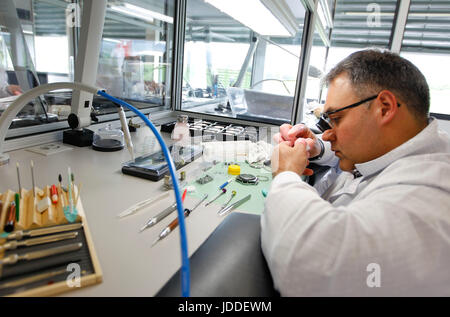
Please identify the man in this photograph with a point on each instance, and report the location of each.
(7, 90)
(381, 224)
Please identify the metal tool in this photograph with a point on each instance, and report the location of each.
(174, 223)
(14, 258)
(226, 210)
(18, 179)
(233, 193)
(32, 179)
(34, 278)
(163, 214)
(18, 235)
(36, 241)
(224, 190)
(70, 186)
(135, 208)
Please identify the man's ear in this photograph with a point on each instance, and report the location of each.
(388, 106)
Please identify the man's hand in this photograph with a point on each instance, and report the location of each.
(14, 90)
(288, 158)
(291, 134)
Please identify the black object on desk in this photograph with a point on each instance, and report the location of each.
(229, 263)
(154, 166)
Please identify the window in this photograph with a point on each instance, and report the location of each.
(135, 57)
(426, 43)
(38, 42)
(238, 63)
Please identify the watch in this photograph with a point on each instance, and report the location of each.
(247, 179)
(322, 151)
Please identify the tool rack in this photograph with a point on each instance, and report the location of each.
(29, 219)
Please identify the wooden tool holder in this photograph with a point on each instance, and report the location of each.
(30, 218)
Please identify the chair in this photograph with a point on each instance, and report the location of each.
(229, 263)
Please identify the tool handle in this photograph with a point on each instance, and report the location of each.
(11, 218)
(53, 251)
(174, 223)
(226, 183)
(163, 214)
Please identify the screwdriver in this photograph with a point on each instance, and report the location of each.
(224, 190)
(10, 218)
(233, 193)
(163, 214)
(174, 223)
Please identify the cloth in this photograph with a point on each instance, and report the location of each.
(3, 83)
(385, 233)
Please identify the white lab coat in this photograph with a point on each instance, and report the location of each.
(386, 233)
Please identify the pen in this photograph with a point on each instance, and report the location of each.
(174, 223)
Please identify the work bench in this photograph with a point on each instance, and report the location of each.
(129, 263)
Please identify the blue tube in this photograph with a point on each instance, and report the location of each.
(185, 272)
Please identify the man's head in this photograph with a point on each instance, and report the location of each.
(397, 111)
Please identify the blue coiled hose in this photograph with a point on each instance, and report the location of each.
(185, 278)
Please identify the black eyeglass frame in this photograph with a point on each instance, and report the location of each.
(323, 123)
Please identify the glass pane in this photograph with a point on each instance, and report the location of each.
(314, 97)
(135, 57)
(358, 25)
(30, 32)
(426, 43)
(239, 63)
(363, 23)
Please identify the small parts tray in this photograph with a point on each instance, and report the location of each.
(217, 131)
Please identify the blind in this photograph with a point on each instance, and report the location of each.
(363, 23)
(428, 26)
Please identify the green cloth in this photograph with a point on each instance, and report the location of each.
(219, 173)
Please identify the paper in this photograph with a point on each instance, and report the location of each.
(49, 148)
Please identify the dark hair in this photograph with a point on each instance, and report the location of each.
(373, 70)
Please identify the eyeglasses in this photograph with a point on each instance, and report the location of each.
(325, 123)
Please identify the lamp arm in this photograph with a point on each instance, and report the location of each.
(13, 109)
